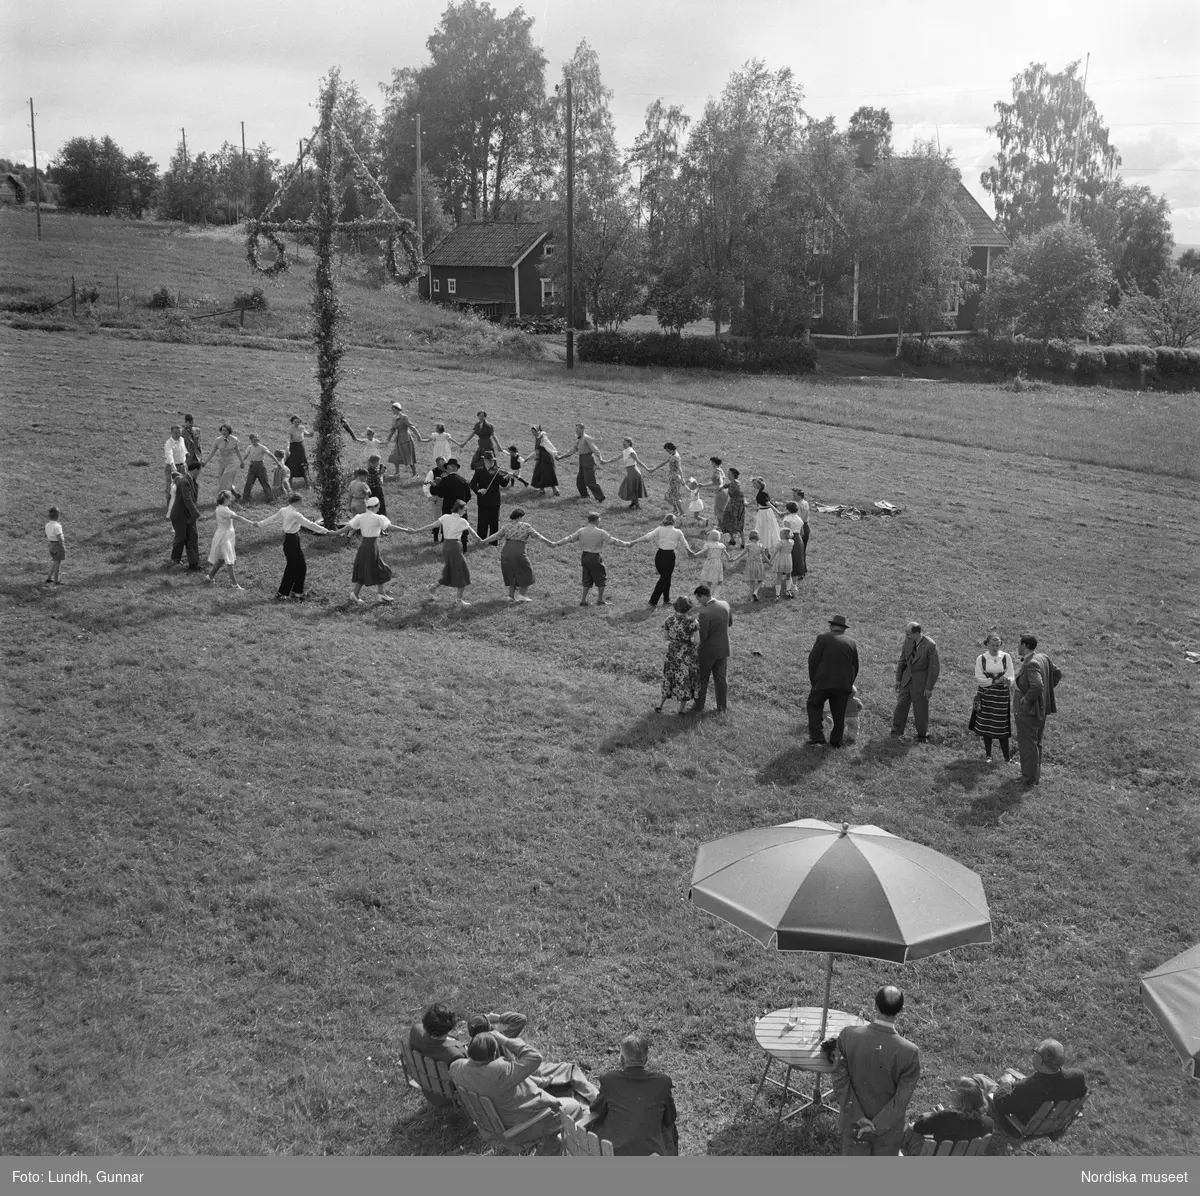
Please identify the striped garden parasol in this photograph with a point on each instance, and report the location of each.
(1172, 993)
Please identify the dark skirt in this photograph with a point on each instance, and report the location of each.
(633, 487)
(799, 561)
(545, 476)
(297, 459)
(994, 712)
(454, 565)
(370, 569)
(377, 492)
(514, 564)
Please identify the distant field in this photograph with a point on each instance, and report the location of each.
(246, 844)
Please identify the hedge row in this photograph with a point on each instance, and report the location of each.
(697, 352)
(1085, 362)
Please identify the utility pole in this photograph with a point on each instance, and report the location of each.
(37, 199)
(570, 230)
(420, 206)
(185, 177)
(245, 170)
(1078, 132)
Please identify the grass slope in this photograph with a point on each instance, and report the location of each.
(245, 844)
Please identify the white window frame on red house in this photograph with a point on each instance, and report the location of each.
(818, 300)
(437, 286)
(451, 286)
(547, 289)
(547, 249)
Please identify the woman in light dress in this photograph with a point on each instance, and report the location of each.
(406, 436)
(229, 458)
(633, 488)
(765, 522)
(674, 465)
(223, 551)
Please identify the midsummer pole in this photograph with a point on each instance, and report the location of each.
(37, 199)
(326, 318)
(420, 206)
(570, 231)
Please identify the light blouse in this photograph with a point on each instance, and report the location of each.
(370, 524)
(986, 659)
(452, 525)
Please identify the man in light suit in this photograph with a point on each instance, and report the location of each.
(1035, 682)
(916, 675)
(715, 619)
(874, 1075)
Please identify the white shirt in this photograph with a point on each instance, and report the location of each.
(993, 662)
(370, 524)
(53, 530)
(453, 525)
(667, 537)
(175, 451)
(794, 522)
(292, 520)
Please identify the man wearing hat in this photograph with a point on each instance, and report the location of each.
(832, 670)
(1022, 1096)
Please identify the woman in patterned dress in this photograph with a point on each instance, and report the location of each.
(514, 564)
(681, 668)
(674, 465)
(733, 517)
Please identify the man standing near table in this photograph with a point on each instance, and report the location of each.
(875, 1073)
(1035, 682)
(712, 655)
(589, 457)
(832, 668)
(916, 675)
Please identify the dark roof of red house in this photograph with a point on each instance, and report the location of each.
(502, 244)
(982, 229)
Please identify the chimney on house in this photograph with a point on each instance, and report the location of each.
(866, 148)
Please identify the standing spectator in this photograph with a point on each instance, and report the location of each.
(668, 540)
(191, 437)
(1035, 681)
(589, 456)
(485, 434)
(256, 470)
(633, 488)
(297, 458)
(592, 540)
(733, 517)
(486, 484)
(681, 669)
(406, 435)
(832, 670)
(451, 489)
(916, 675)
(370, 569)
(183, 512)
(992, 708)
(635, 1110)
(514, 563)
(874, 1075)
(296, 567)
(58, 546)
(545, 476)
(712, 656)
(227, 452)
(175, 454)
(223, 549)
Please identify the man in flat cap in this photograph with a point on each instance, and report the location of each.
(832, 668)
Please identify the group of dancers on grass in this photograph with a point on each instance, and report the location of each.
(774, 547)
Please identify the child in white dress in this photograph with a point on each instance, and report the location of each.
(781, 564)
(715, 554)
(695, 502)
(756, 556)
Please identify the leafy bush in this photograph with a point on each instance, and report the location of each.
(1060, 356)
(1089, 363)
(255, 300)
(162, 298)
(699, 353)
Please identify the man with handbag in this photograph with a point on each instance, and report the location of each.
(875, 1072)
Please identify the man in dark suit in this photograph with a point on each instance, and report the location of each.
(635, 1110)
(832, 668)
(183, 513)
(486, 483)
(1035, 682)
(1022, 1096)
(874, 1074)
(451, 488)
(715, 619)
(916, 675)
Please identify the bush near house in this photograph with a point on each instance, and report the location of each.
(700, 353)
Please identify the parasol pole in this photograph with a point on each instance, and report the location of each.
(828, 986)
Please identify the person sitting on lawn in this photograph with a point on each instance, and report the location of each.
(635, 1110)
(964, 1119)
(559, 1079)
(1021, 1096)
(502, 1069)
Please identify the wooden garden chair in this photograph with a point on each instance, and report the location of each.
(578, 1140)
(946, 1148)
(1051, 1121)
(429, 1077)
(491, 1129)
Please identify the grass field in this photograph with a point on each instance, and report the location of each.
(245, 844)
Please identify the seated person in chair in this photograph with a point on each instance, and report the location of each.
(433, 1037)
(966, 1118)
(1021, 1096)
(502, 1069)
(559, 1079)
(635, 1110)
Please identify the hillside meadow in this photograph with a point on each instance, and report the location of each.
(245, 844)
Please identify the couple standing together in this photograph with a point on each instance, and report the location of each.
(697, 649)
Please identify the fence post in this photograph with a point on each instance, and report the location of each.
(118, 292)
(73, 309)
(242, 315)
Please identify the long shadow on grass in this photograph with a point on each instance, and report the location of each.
(649, 731)
(433, 1132)
(751, 1133)
(989, 808)
(966, 774)
(794, 764)
(886, 749)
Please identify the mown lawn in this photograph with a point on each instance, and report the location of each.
(246, 844)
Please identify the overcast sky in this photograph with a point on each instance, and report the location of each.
(139, 70)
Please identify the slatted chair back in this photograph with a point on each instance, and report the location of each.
(579, 1141)
(491, 1129)
(431, 1077)
(946, 1148)
(1052, 1120)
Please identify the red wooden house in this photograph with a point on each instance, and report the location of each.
(492, 269)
